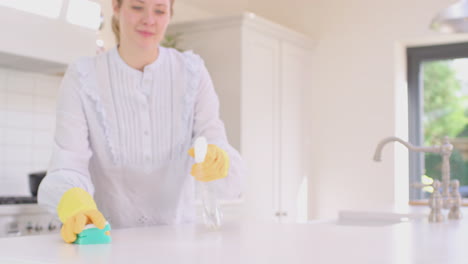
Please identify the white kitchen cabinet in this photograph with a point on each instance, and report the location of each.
(260, 71)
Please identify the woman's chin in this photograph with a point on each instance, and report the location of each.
(147, 44)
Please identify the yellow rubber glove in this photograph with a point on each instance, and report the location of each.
(214, 167)
(77, 209)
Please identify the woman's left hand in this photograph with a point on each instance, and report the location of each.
(214, 167)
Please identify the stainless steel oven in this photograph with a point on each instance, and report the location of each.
(26, 219)
(22, 216)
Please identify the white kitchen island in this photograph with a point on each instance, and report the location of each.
(325, 242)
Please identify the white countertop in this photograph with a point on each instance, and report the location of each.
(324, 242)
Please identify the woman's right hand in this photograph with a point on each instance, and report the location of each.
(76, 223)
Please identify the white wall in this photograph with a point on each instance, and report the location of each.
(218, 7)
(27, 123)
(359, 97)
(184, 12)
(300, 15)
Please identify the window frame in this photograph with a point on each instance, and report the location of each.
(415, 57)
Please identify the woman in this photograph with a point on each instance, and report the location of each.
(125, 121)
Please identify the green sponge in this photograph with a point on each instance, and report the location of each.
(93, 235)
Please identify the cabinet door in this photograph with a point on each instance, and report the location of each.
(294, 76)
(220, 49)
(260, 125)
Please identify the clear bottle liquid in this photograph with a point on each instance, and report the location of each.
(212, 215)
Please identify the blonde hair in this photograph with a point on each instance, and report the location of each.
(115, 22)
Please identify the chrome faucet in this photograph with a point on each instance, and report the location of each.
(450, 197)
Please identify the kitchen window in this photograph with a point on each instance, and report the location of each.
(438, 106)
(83, 13)
(47, 8)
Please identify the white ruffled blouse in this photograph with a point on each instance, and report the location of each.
(123, 136)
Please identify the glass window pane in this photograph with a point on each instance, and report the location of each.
(84, 13)
(445, 86)
(47, 8)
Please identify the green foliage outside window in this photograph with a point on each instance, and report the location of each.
(444, 105)
(445, 115)
(458, 167)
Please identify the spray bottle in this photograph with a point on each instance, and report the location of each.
(212, 215)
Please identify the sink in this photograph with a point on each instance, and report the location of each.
(369, 219)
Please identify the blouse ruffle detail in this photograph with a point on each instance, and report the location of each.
(87, 72)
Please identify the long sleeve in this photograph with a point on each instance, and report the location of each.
(68, 167)
(207, 123)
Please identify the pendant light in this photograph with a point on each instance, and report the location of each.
(453, 19)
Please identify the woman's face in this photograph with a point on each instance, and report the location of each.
(143, 23)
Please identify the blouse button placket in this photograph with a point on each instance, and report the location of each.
(146, 119)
